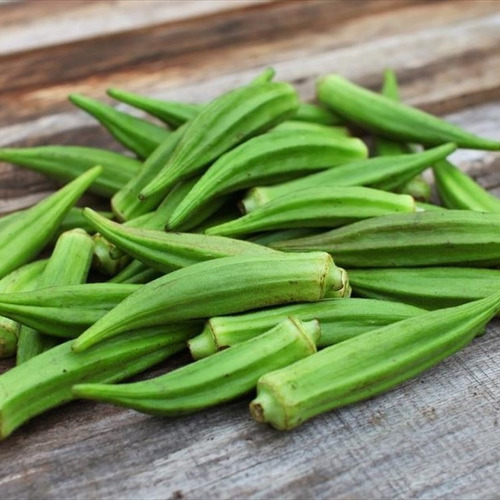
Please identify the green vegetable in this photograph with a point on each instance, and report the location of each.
(269, 158)
(317, 207)
(340, 320)
(457, 190)
(69, 264)
(221, 286)
(23, 239)
(138, 135)
(221, 377)
(65, 163)
(45, 381)
(391, 119)
(225, 122)
(368, 364)
(449, 237)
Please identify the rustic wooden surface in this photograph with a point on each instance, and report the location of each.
(436, 436)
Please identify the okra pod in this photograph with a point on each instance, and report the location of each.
(65, 163)
(216, 379)
(172, 113)
(24, 238)
(367, 365)
(285, 234)
(45, 381)
(125, 203)
(269, 158)
(135, 273)
(22, 279)
(317, 207)
(106, 260)
(457, 190)
(427, 287)
(381, 173)
(69, 264)
(225, 122)
(221, 286)
(64, 311)
(418, 188)
(339, 319)
(449, 237)
(138, 135)
(169, 251)
(392, 119)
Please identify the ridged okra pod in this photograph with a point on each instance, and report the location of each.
(225, 122)
(339, 319)
(69, 264)
(64, 311)
(169, 251)
(22, 279)
(457, 190)
(24, 238)
(367, 365)
(221, 286)
(381, 173)
(392, 119)
(126, 204)
(138, 135)
(317, 207)
(172, 113)
(269, 158)
(216, 379)
(46, 381)
(65, 163)
(447, 237)
(427, 287)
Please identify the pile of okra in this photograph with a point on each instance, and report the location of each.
(260, 233)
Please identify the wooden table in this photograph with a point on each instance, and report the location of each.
(435, 437)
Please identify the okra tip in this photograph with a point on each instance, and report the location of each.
(265, 409)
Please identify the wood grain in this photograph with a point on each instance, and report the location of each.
(436, 436)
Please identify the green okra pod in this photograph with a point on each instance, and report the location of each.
(106, 260)
(221, 286)
(428, 207)
(169, 251)
(64, 311)
(222, 124)
(126, 204)
(172, 113)
(23, 279)
(46, 381)
(216, 379)
(457, 190)
(65, 163)
(72, 220)
(418, 188)
(312, 113)
(135, 273)
(367, 365)
(339, 319)
(69, 264)
(381, 173)
(269, 158)
(284, 234)
(24, 238)
(427, 287)
(138, 135)
(386, 117)
(434, 238)
(317, 207)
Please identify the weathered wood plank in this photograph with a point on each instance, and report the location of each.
(40, 25)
